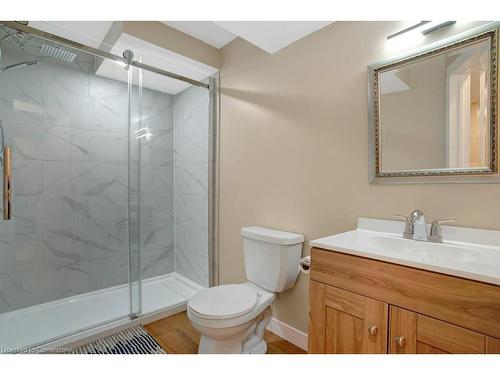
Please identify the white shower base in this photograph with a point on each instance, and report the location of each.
(48, 322)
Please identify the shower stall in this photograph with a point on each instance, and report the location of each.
(108, 189)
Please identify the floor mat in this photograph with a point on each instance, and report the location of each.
(135, 340)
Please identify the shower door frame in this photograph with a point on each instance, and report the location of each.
(213, 175)
(213, 179)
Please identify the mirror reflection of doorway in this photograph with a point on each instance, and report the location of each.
(467, 132)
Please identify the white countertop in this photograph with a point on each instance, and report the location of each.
(466, 252)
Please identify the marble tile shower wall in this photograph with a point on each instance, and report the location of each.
(157, 188)
(191, 184)
(69, 232)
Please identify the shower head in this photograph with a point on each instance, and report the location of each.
(45, 50)
(57, 53)
(19, 64)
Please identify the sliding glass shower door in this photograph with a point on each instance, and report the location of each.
(65, 263)
(173, 153)
(135, 209)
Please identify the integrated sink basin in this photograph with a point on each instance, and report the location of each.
(469, 253)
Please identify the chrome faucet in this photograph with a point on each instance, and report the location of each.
(419, 227)
(416, 229)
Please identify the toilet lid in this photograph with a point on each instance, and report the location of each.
(224, 301)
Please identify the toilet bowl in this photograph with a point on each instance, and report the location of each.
(232, 318)
(228, 316)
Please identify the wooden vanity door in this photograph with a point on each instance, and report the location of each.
(341, 322)
(412, 333)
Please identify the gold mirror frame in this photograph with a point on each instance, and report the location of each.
(447, 175)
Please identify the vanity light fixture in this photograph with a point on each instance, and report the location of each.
(430, 27)
(437, 25)
(413, 27)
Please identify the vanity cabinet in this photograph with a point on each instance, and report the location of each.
(346, 322)
(412, 333)
(366, 306)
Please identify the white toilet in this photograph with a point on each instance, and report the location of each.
(232, 318)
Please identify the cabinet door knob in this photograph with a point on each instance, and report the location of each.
(372, 330)
(400, 341)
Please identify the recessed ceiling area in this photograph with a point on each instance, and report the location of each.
(271, 36)
(91, 33)
(206, 31)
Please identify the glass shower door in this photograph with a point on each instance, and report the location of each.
(64, 255)
(173, 153)
(156, 192)
(135, 208)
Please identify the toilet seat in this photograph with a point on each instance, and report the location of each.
(228, 305)
(224, 301)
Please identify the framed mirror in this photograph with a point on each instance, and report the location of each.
(434, 113)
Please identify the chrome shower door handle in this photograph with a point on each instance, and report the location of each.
(7, 184)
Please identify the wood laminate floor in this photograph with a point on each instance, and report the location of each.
(176, 336)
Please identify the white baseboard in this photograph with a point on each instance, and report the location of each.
(288, 333)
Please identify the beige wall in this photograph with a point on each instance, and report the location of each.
(415, 117)
(293, 150)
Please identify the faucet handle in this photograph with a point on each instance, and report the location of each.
(435, 234)
(408, 231)
(443, 221)
(402, 217)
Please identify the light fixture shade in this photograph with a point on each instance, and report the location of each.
(410, 28)
(426, 27)
(436, 25)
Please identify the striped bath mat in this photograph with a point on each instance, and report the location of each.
(135, 340)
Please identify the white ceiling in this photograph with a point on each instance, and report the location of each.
(272, 36)
(206, 31)
(91, 33)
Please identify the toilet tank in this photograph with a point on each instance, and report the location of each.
(271, 257)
